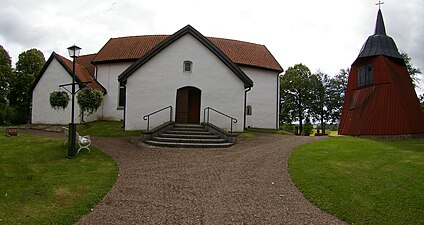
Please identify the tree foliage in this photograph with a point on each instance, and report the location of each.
(319, 106)
(5, 74)
(422, 100)
(59, 100)
(296, 94)
(27, 69)
(414, 72)
(316, 96)
(89, 100)
(336, 89)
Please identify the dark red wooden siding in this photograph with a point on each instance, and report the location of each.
(389, 106)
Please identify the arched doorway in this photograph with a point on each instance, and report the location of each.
(188, 105)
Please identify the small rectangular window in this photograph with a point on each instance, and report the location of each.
(188, 66)
(249, 110)
(365, 75)
(121, 96)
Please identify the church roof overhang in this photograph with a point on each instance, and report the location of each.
(202, 39)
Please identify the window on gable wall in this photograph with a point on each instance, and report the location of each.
(365, 75)
(249, 110)
(121, 100)
(188, 66)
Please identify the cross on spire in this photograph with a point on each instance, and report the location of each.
(379, 4)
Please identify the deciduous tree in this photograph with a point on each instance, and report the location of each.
(320, 102)
(27, 69)
(5, 75)
(414, 72)
(296, 94)
(336, 89)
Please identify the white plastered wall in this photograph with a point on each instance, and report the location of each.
(42, 112)
(107, 76)
(154, 85)
(263, 98)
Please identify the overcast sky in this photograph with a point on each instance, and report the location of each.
(325, 35)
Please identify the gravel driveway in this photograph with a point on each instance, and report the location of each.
(244, 184)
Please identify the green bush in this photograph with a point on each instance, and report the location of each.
(89, 100)
(59, 100)
(307, 128)
(288, 127)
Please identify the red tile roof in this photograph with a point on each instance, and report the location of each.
(85, 61)
(81, 72)
(135, 47)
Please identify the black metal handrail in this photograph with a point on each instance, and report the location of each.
(233, 120)
(147, 117)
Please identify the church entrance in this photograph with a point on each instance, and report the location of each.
(188, 105)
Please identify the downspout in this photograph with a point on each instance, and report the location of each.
(278, 103)
(245, 102)
(95, 72)
(125, 104)
(278, 99)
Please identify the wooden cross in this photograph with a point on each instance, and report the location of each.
(379, 4)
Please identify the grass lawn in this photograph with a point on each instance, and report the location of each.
(363, 181)
(328, 132)
(38, 185)
(250, 132)
(105, 129)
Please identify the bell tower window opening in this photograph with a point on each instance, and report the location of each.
(365, 75)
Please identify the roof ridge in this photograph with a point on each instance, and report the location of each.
(247, 42)
(167, 35)
(147, 35)
(88, 54)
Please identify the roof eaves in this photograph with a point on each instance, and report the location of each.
(104, 46)
(169, 40)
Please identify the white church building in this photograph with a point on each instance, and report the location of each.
(185, 73)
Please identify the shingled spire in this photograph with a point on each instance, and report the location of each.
(379, 43)
(380, 29)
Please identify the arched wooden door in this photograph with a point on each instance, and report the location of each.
(188, 105)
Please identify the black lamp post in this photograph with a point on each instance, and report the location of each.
(74, 52)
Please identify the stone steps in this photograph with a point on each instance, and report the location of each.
(189, 140)
(189, 145)
(188, 136)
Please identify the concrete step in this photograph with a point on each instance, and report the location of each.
(189, 140)
(180, 125)
(187, 132)
(190, 136)
(201, 129)
(189, 145)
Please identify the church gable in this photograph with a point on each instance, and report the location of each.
(171, 39)
(186, 63)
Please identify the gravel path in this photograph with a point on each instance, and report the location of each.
(245, 184)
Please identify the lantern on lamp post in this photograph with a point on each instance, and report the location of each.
(74, 52)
